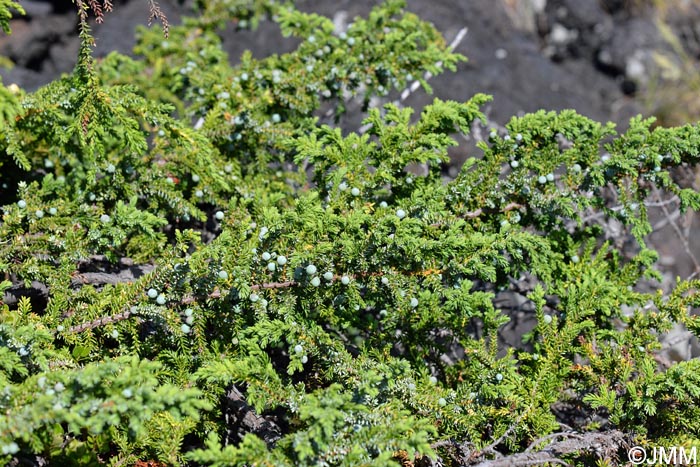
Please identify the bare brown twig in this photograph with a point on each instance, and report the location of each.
(683, 238)
(600, 444)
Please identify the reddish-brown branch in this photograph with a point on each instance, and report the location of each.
(101, 322)
(156, 13)
(477, 212)
(274, 285)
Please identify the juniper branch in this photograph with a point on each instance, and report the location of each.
(102, 321)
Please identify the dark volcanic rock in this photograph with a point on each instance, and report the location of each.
(30, 43)
(117, 32)
(506, 54)
(575, 29)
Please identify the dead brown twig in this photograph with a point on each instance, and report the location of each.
(600, 444)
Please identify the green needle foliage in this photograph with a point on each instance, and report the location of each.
(352, 302)
(6, 7)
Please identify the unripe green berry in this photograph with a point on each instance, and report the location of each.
(547, 319)
(219, 215)
(271, 267)
(152, 293)
(160, 300)
(442, 402)
(328, 275)
(298, 348)
(400, 213)
(345, 280)
(355, 191)
(310, 269)
(281, 260)
(223, 275)
(315, 281)
(22, 204)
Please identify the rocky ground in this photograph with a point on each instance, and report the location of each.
(605, 58)
(590, 55)
(608, 59)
